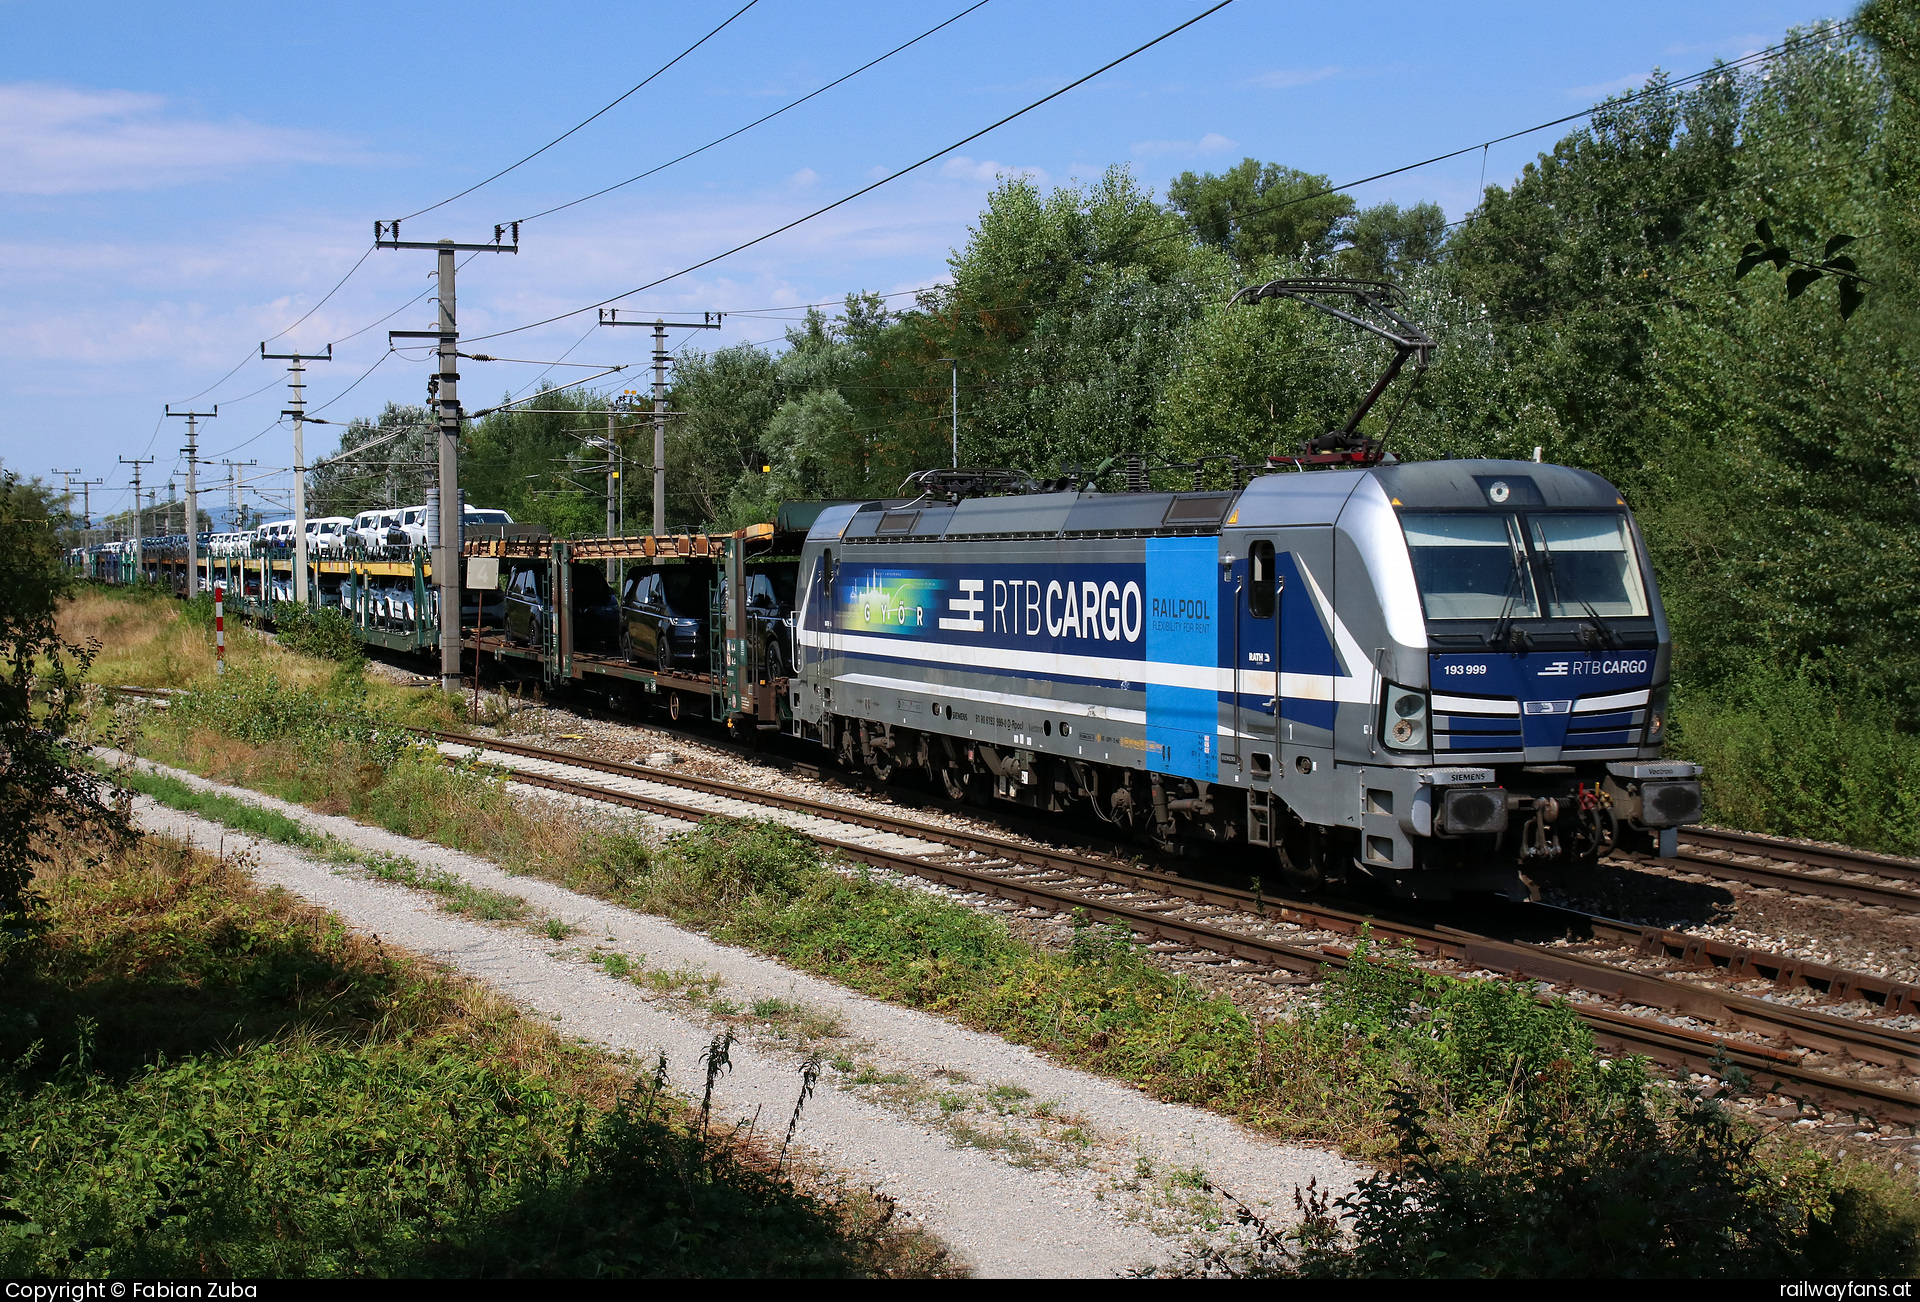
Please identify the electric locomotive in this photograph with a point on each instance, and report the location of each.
(1429, 673)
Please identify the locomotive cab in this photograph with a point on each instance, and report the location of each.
(1528, 667)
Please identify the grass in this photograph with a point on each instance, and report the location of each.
(150, 639)
(1438, 1079)
(458, 894)
(207, 1079)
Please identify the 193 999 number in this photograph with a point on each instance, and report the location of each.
(1466, 669)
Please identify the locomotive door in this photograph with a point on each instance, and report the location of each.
(824, 613)
(1256, 659)
(1306, 688)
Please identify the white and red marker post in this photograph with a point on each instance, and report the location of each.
(219, 628)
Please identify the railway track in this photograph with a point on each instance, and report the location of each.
(1279, 934)
(1789, 865)
(1244, 925)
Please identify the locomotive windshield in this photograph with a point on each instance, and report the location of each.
(1487, 565)
(1588, 566)
(1471, 566)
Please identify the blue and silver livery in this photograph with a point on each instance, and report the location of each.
(1430, 673)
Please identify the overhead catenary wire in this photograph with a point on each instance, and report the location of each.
(251, 356)
(868, 189)
(720, 140)
(1825, 33)
(589, 118)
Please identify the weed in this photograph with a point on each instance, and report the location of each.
(1022, 1151)
(556, 930)
(873, 1076)
(458, 895)
(809, 1077)
(615, 965)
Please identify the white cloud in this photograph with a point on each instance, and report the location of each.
(1605, 89)
(962, 168)
(1727, 47)
(1283, 78)
(1211, 143)
(63, 140)
(804, 179)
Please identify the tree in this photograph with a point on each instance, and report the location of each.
(384, 462)
(1781, 501)
(534, 461)
(718, 443)
(1576, 258)
(1256, 211)
(1386, 241)
(46, 789)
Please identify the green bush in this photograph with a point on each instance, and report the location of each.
(199, 1078)
(308, 1159)
(319, 631)
(254, 706)
(1522, 1153)
(723, 862)
(1477, 1041)
(1789, 751)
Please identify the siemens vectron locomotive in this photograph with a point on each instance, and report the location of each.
(1431, 673)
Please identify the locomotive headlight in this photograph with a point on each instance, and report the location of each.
(1657, 717)
(1406, 718)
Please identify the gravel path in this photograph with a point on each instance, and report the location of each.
(1023, 1167)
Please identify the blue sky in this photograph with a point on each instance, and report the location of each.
(180, 182)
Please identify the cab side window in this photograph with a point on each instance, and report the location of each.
(1260, 580)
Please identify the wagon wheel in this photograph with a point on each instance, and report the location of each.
(954, 779)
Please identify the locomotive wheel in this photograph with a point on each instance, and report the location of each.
(1303, 857)
(954, 781)
(882, 766)
(849, 748)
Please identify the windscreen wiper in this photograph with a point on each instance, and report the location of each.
(1600, 628)
(1503, 626)
(1593, 617)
